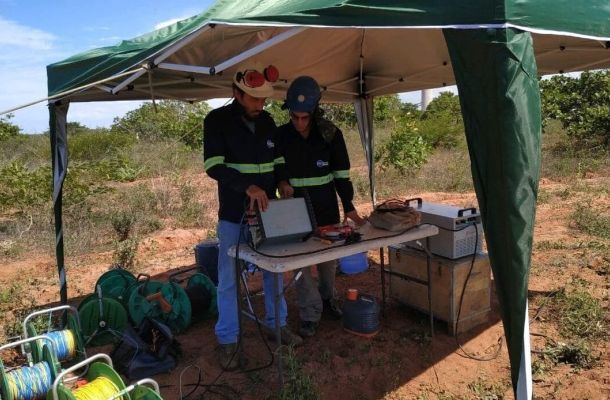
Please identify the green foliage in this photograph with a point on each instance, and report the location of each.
(274, 107)
(405, 150)
(485, 390)
(580, 315)
(7, 129)
(123, 223)
(581, 104)
(387, 109)
(171, 119)
(592, 221)
(125, 253)
(577, 354)
(21, 187)
(298, 386)
(98, 145)
(118, 168)
(126, 246)
(341, 114)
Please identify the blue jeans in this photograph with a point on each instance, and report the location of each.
(227, 326)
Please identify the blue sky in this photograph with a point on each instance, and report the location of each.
(35, 33)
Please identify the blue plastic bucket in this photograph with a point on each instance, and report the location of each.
(354, 264)
(206, 258)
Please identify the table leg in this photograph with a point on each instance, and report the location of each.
(429, 267)
(382, 263)
(239, 308)
(278, 329)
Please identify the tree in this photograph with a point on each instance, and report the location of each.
(172, 119)
(441, 125)
(8, 129)
(581, 104)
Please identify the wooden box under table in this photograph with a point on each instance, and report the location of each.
(447, 277)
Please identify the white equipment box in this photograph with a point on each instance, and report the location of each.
(460, 229)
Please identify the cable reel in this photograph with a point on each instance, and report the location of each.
(33, 381)
(68, 340)
(201, 293)
(103, 382)
(102, 318)
(117, 284)
(164, 302)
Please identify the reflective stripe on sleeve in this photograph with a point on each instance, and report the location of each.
(279, 160)
(344, 173)
(213, 161)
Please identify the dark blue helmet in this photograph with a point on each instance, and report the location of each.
(303, 95)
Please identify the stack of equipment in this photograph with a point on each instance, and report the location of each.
(408, 285)
(460, 230)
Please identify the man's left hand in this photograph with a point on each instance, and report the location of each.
(353, 215)
(286, 191)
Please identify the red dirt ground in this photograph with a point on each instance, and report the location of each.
(401, 362)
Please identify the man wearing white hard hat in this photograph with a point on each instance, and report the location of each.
(239, 153)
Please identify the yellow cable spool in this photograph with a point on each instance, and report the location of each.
(101, 388)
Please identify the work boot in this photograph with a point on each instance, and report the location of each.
(288, 337)
(228, 357)
(332, 309)
(308, 328)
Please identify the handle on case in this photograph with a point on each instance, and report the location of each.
(174, 276)
(472, 210)
(418, 199)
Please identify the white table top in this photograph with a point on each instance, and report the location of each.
(372, 238)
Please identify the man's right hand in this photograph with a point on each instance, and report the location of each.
(257, 196)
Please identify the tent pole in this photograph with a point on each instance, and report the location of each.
(58, 113)
(185, 68)
(257, 49)
(180, 44)
(61, 95)
(127, 81)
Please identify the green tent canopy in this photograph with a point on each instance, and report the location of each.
(494, 50)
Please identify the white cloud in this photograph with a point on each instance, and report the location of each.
(21, 36)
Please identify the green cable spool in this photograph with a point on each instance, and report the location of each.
(117, 284)
(48, 356)
(95, 370)
(199, 279)
(142, 392)
(179, 318)
(99, 328)
(139, 307)
(72, 325)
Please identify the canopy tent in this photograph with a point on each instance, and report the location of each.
(494, 50)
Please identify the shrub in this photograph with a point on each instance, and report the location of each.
(171, 119)
(581, 104)
(7, 129)
(405, 150)
(98, 145)
(20, 187)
